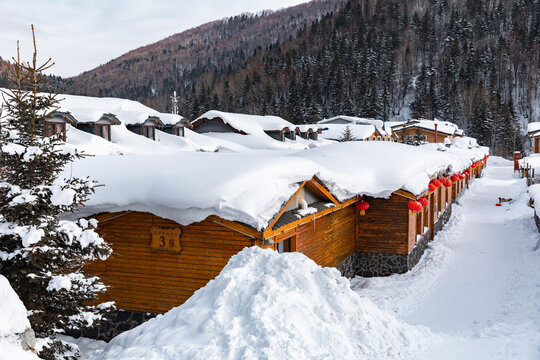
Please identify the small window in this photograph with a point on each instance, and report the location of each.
(378, 138)
(148, 131)
(284, 246)
(55, 128)
(103, 130)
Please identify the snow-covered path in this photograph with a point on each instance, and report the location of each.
(477, 288)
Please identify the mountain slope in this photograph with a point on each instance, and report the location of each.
(176, 62)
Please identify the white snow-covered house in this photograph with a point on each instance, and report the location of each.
(435, 131)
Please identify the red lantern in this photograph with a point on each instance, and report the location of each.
(415, 206)
(448, 183)
(423, 201)
(436, 182)
(443, 180)
(362, 206)
(431, 187)
(454, 178)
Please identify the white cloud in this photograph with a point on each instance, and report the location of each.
(80, 35)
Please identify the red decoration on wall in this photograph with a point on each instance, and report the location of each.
(362, 206)
(432, 187)
(423, 201)
(454, 178)
(443, 180)
(415, 206)
(448, 183)
(436, 182)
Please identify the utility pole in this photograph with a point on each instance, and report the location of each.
(174, 101)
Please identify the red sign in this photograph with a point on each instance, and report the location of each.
(517, 155)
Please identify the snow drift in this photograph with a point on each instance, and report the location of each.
(13, 323)
(266, 305)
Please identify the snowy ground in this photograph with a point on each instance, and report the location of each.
(478, 285)
(474, 294)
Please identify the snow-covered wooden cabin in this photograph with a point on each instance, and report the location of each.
(309, 132)
(171, 241)
(533, 131)
(222, 122)
(435, 131)
(57, 123)
(146, 128)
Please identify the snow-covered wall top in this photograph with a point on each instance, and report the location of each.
(336, 131)
(250, 124)
(251, 187)
(379, 124)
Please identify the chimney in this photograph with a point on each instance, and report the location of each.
(436, 131)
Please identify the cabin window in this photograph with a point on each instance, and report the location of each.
(284, 246)
(179, 131)
(378, 138)
(103, 130)
(55, 128)
(148, 131)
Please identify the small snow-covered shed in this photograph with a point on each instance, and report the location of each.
(175, 124)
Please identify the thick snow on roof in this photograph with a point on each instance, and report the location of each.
(251, 187)
(250, 124)
(379, 124)
(265, 305)
(335, 131)
(532, 127)
(90, 109)
(445, 127)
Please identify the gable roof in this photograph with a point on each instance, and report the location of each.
(443, 127)
(379, 124)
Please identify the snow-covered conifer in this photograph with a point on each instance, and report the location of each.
(40, 254)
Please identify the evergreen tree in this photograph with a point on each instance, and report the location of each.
(347, 135)
(41, 255)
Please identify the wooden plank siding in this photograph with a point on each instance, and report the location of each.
(142, 279)
(386, 227)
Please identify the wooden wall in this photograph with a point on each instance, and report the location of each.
(388, 226)
(142, 279)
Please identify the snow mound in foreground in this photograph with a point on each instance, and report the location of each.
(13, 322)
(266, 305)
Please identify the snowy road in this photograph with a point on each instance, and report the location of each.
(477, 288)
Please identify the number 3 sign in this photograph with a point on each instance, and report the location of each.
(166, 239)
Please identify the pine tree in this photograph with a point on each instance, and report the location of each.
(41, 255)
(347, 135)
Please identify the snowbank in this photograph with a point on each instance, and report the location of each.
(266, 305)
(336, 131)
(13, 323)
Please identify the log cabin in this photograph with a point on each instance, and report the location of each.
(146, 128)
(435, 131)
(309, 132)
(56, 124)
(177, 127)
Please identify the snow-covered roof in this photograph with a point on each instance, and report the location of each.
(309, 128)
(251, 187)
(343, 119)
(249, 124)
(444, 127)
(297, 310)
(336, 131)
(533, 127)
(129, 112)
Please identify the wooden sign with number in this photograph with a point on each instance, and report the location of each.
(166, 239)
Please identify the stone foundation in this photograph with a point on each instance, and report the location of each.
(380, 264)
(122, 321)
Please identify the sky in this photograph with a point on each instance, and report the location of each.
(81, 35)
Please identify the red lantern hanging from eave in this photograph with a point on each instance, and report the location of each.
(448, 183)
(454, 178)
(415, 206)
(436, 183)
(443, 180)
(432, 187)
(362, 206)
(423, 201)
